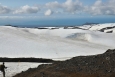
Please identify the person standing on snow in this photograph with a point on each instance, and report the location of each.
(2, 68)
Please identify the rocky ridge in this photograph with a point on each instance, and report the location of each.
(101, 65)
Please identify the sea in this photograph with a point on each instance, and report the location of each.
(59, 22)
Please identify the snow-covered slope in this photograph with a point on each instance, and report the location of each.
(14, 68)
(54, 43)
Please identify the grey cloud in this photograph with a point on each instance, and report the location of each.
(26, 9)
(53, 5)
(72, 6)
(75, 6)
(68, 6)
(101, 8)
(4, 9)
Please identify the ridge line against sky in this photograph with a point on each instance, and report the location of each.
(56, 9)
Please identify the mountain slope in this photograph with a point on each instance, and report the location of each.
(58, 44)
(102, 65)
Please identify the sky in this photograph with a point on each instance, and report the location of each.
(56, 12)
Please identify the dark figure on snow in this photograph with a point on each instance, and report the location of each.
(2, 69)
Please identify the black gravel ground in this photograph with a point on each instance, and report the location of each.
(102, 65)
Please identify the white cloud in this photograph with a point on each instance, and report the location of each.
(26, 9)
(69, 6)
(54, 5)
(48, 12)
(75, 6)
(102, 8)
(4, 9)
(72, 6)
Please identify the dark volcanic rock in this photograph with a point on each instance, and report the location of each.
(40, 60)
(109, 31)
(43, 28)
(103, 29)
(102, 65)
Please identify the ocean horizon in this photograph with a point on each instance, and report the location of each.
(58, 22)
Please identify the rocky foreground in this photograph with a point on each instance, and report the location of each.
(102, 65)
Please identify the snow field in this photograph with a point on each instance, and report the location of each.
(14, 68)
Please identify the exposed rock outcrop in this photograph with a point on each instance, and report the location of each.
(102, 65)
